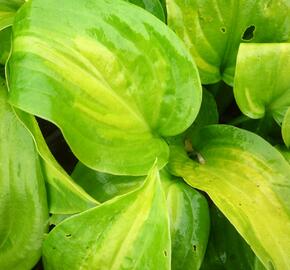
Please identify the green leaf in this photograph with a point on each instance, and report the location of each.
(188, 210)
(153, 6)
(103, 186)
(262, 83)
(5, 45)
(284, 151)
(249, 181)
(23, 205)
(226, 249)
(213, 30)
(189, 224)
(128, 232)
(113, 78)
(64, 196)
(8, 9)
(286, 127)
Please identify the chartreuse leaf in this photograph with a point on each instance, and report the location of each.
(262, 83)
(128, 232)
(213, 30)
(249, 181)
(188, 210)
(23, 205)
(226, 249)
(8, 9)
(286, 127)
(153, 6)
(113, 78)
(64, 195)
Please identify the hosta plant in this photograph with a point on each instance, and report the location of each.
(144, 134)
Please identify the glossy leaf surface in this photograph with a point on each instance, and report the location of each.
(262, 83)
(249, 181)
(226, 249)
(103, 186)
(8, 9)
(189, 224)
(286, 127)
(213, 30)
(64, 196)
(113, 78)
(23, 205)
(188, 210)
(128, 232)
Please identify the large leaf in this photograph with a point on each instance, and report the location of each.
(249, 181)
(113, 78)
(262, 82)
(8, 9)
(286, 127)
(213, 30)
(226, 249)
(188, 210)
(64, 196)
(128, 232)
(23, 205)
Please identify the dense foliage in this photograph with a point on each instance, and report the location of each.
(144, 134)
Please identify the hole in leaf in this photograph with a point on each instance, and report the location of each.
(165, 253)
(223, 29)
(249, 33)
(68, 235)
(194, 248)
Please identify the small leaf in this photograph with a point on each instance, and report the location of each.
(213, 31)
(114, 79)
(128, 232)
(23, 205)
(249, 181)
(262, 83)
(189, 225)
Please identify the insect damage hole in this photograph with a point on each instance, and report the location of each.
(68, 235)
(165, 253)
(249, 33)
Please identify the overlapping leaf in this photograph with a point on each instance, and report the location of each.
(128, 232)
(23, 205)
(286, 127)
(188, 210)
(249, 181)
(113, 78)
(213, 30)
(8, 9)
(64, 196)
(226, 249)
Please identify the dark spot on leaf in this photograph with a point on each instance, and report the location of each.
(194, 248)
(68, 235)
(258, 185)
(240, 204)
(223, 29)
(165, 253)
(249, 33)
